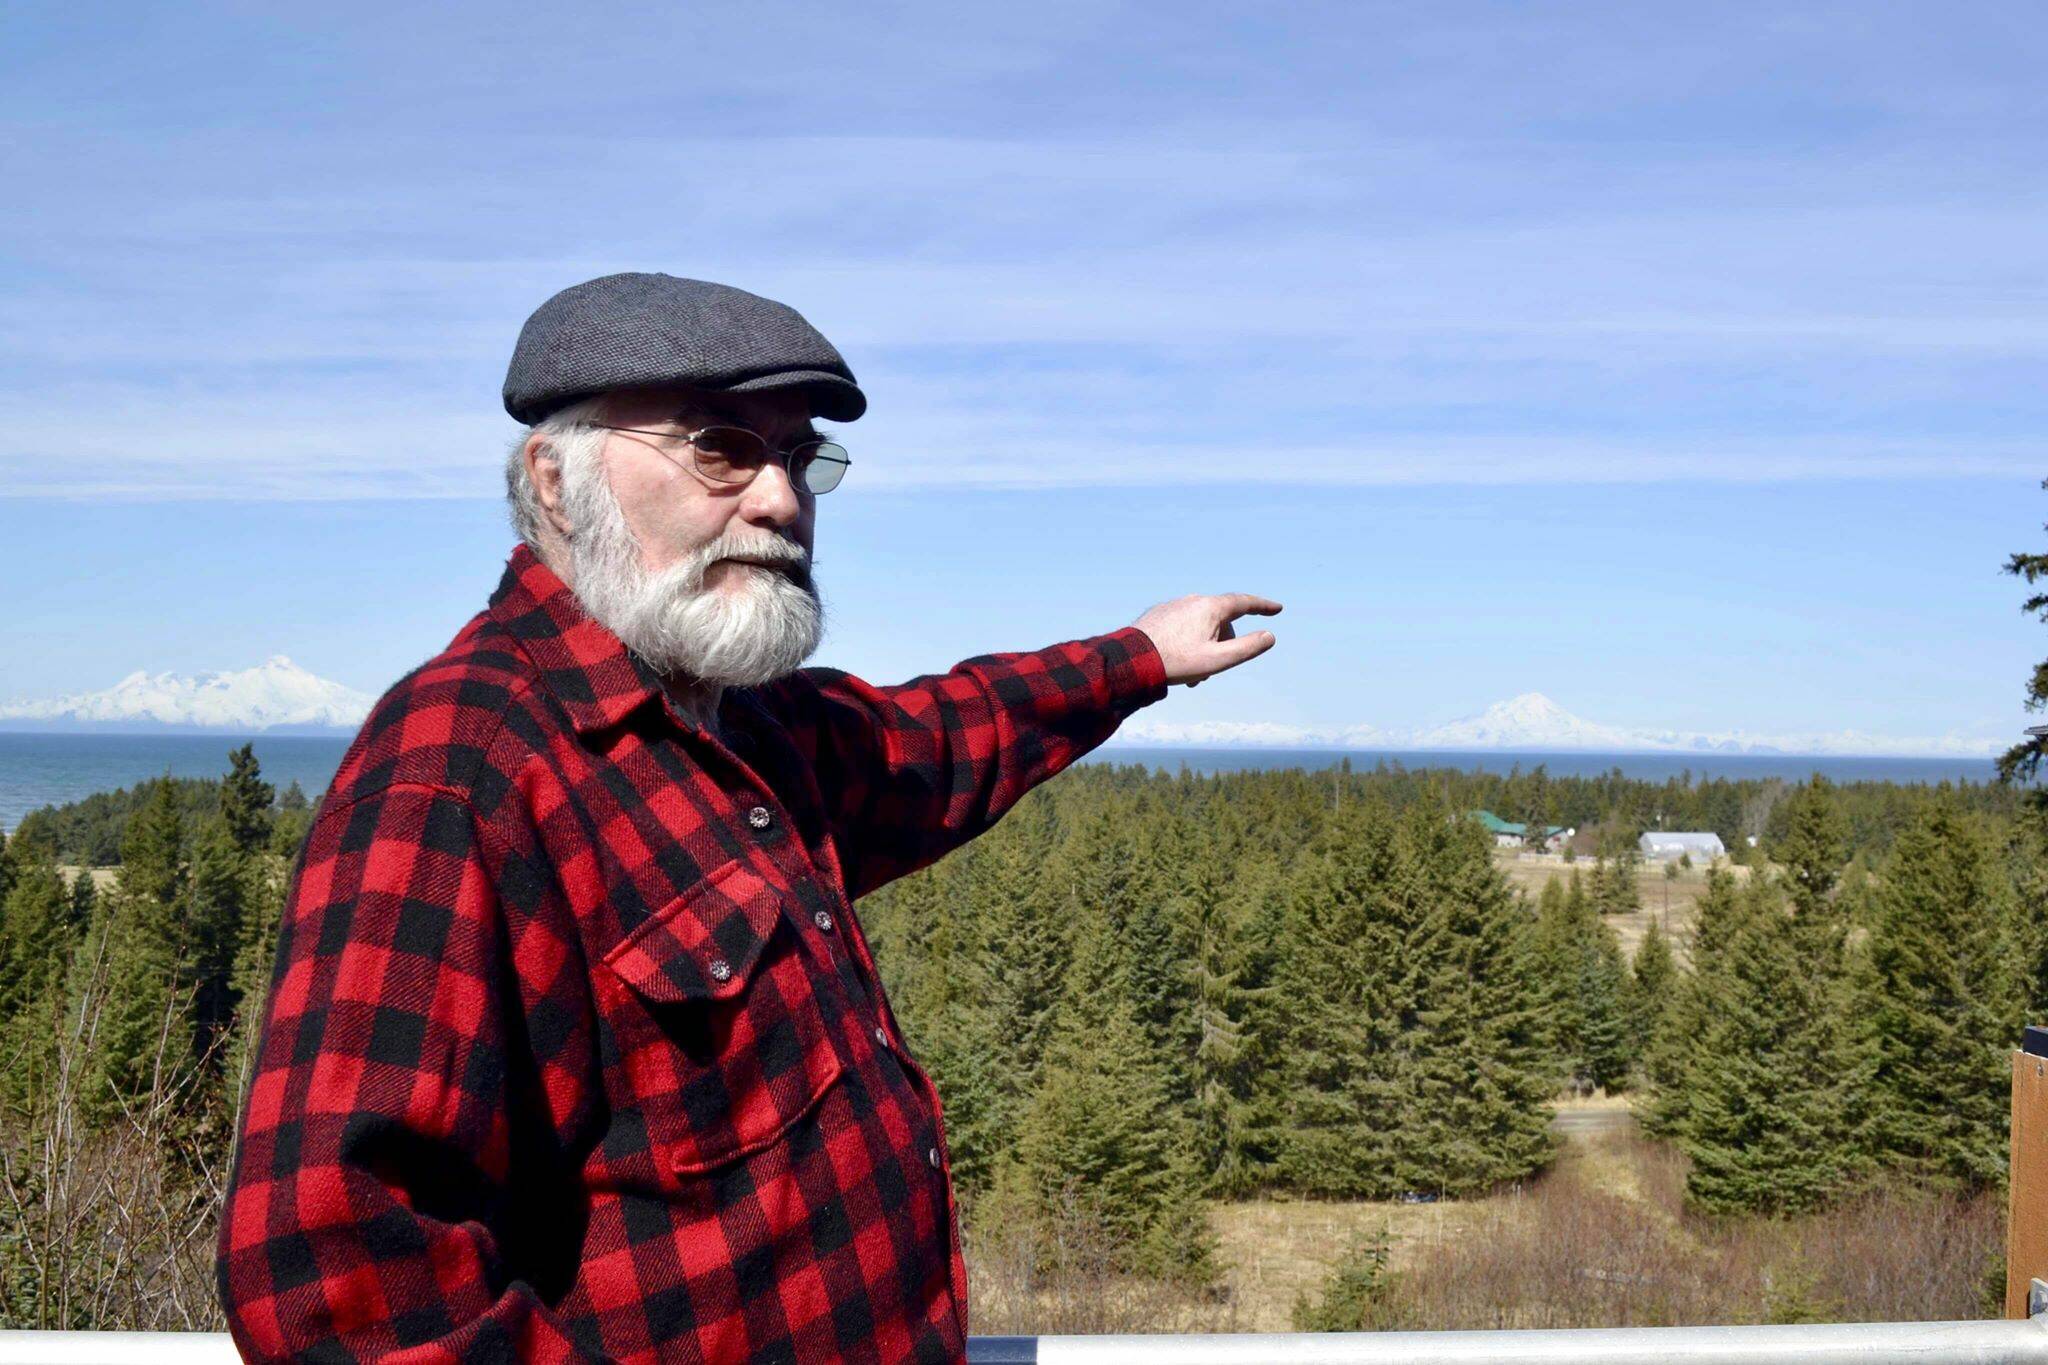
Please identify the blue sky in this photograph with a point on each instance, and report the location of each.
(1683, 363)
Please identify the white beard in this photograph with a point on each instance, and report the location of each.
(759, 625)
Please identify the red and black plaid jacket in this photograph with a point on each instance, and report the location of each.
(575, 1049)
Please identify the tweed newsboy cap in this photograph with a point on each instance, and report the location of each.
(642, 328)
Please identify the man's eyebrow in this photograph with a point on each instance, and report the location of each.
(719, 413)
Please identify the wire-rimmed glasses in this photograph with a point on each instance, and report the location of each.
(734, 455)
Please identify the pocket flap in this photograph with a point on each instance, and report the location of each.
(703, 944)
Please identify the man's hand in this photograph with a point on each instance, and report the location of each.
(1194, 636)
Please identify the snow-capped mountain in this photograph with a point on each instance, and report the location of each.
(275, 694)
(1533, 722)
(1530, 721)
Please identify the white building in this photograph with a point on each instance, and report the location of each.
(1671, 845)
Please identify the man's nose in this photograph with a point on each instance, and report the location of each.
(771, 497)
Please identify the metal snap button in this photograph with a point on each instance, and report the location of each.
(823, 919)
(720, 969)
(760, 817)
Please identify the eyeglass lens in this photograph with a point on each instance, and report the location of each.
(735, 455)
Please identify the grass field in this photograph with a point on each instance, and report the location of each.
(1602, 1238)
(1669, 902)
(1276, 1250)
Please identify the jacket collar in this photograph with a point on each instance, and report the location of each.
(596, 678)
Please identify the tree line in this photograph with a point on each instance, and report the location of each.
(1141, 988)
(1144, 990)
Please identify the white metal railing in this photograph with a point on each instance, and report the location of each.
(1990, 1342)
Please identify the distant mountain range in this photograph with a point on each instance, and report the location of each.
(278, 695)
(1533, 722)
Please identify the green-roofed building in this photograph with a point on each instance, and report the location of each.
(1514, 834)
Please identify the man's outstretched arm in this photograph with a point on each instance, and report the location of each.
(910, 772)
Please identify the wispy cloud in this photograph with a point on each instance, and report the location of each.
(1647, 255)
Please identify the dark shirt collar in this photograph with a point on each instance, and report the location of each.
(588, 669)
(596, 678)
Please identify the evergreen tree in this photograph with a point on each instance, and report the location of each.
(222, 874)
(1102, 1139)
(2022, 761)
(144, 1025)
(254, 964)
(1477, 1079)
(1772, 1089)
(1027, 900)
(1226, 1047)
(1615, 888)
(1814, 846)
(34, 937)
(245, 801)
(1654, 988)
(1669, 1058)
(35, 944)
(1609, 1041)
(1944, 996)
(84, 895)
(1346, 930)
(1585, 981)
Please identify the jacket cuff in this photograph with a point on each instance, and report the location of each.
(1135, 672)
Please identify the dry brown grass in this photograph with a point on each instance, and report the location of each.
(1276, 1250)
(1604, 1239)
(1669, 902)
(1570, 1252)
(1058, 1273)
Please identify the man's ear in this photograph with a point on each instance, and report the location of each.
(544, 472)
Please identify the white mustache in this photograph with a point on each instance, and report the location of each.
(780, 555)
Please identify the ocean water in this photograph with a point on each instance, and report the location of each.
(49, 769)
(1644, 767)
(43, 770)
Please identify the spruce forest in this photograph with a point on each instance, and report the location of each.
(1155, 1002)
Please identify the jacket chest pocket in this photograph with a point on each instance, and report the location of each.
(719, 1039)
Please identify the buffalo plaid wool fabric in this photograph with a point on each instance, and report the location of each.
(575, 1050)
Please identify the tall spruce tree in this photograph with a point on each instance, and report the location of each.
(2022, 762)
(144, 1022)
(1029, 899)
(34, 933)
(1772, 1088)
(1585, 983)
(1226, 1048)
(223, 876)
(35, 948)
(1102, 1138)
(84, 895)
(245, 801)
(1477, 1079)
(1669, 1058)
(1944, 997)
(1653, 989)
(1346, 931)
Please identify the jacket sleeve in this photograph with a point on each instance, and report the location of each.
(367, 1213)
(912, 771)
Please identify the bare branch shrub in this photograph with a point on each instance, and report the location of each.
(1058, 1272)
(108, 1228)
(1565, 1251)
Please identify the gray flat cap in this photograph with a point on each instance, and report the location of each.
(640, 328)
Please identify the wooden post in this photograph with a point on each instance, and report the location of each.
(2026, 1234)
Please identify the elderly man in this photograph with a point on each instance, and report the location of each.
(574, 1048)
